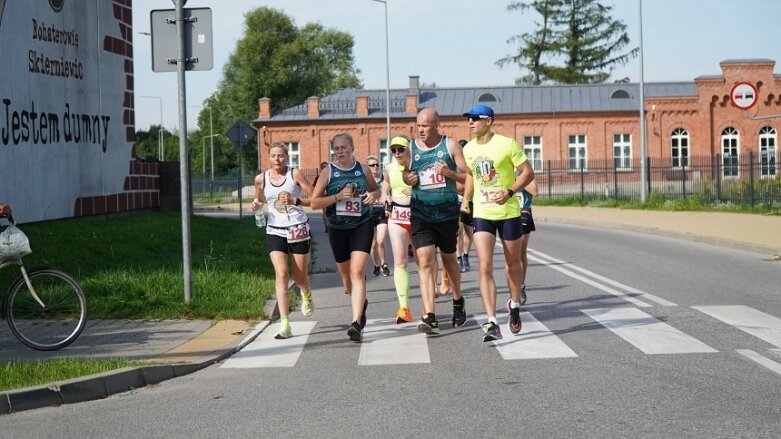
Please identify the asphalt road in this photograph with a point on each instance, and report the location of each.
(654, 339)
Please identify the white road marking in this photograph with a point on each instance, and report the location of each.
(646, 332)
(534, 341)
(760, 359)
(647, 296)
(266, 351)
(385, 342)
(599, 286)
(747, 319)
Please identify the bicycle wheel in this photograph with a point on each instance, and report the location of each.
(52, 326)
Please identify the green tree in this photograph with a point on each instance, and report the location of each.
(148, 143)
(576, 42)
(278, 60)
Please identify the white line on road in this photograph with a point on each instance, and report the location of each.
(599, 286)
(747, 319)
(647, 296)
(385, 342)
(760, 359)
(266, 351)
(645, 332)
(534, 341)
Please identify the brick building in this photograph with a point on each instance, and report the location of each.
(574, 124)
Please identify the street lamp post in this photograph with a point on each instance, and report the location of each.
(160, 145)
(211, 141)
(387, 82)
(643, 143)
(203, 152)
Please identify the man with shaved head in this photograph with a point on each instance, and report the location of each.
(432, 169)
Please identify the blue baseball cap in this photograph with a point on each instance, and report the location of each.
(480, 110)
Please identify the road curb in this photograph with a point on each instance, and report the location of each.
(105, 384)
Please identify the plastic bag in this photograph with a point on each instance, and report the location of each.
(13, 243)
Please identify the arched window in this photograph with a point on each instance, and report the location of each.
(619, 94)
(487, 97)
(768, 151)
(730, 149)
(679, 148)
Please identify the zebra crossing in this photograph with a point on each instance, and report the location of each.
(386, 343)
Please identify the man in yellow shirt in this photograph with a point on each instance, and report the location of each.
(492, 160)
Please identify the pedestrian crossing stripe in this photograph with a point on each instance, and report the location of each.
(535, 341)
(266, 351)
(646, 332)
(386, 343)
(749, 320)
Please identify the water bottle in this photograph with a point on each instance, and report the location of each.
(260, 217)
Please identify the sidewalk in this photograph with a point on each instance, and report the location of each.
(185, 346)
(755, 233)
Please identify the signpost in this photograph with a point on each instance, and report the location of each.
(240, 133)
(181, 41)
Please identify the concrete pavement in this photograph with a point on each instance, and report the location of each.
(178, 347)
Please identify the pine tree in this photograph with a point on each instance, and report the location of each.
(580, 34)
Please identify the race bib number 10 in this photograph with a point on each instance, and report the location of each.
(349, 207)
(431, 180)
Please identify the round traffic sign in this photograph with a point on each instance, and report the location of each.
(743, 95)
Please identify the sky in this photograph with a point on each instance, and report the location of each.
(455, 43)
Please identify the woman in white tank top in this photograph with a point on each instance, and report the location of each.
(287, 231)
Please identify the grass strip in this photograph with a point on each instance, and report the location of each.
(20, 373)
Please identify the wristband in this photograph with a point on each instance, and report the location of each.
(510, 193)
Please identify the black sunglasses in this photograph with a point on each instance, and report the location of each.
(475, 118)
(374, 165)
(395, 150)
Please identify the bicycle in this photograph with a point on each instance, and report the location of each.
(45, 308)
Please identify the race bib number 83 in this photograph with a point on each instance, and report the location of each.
(349, 207)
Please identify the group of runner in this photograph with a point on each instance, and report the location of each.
(416, 200)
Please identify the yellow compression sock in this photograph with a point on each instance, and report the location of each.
(284, 321)
(401, 280)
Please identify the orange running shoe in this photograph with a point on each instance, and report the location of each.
(403, 315)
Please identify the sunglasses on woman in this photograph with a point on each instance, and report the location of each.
(373, 165)
(398, 150)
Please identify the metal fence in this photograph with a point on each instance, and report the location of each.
(738, 179)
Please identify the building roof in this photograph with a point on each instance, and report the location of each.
(616, 97)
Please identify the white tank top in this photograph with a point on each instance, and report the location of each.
(280, 217)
